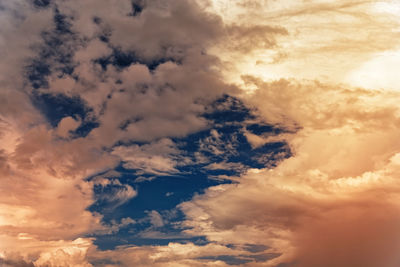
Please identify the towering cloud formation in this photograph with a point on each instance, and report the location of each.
(197, 133)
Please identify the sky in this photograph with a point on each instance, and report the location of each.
(199, 133)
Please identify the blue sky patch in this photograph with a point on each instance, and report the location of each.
(211, 156)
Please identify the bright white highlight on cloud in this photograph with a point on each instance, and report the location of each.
(380, 72)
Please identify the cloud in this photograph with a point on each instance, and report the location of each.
(112, 193)
(44, 192)
(156, 219)
(66, 125)
(174, 254)
(334, 202)
(157, 158)
(321, 38)
(34, 252)
(9, 262)
(44, 198)
(92, 86)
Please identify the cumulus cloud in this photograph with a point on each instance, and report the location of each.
(174, 254)
(35, 252)
(113, 192)
(87, 87)
(156, 219)
(66, 125)
(331, 204)
(44, 194)
(157, 158)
